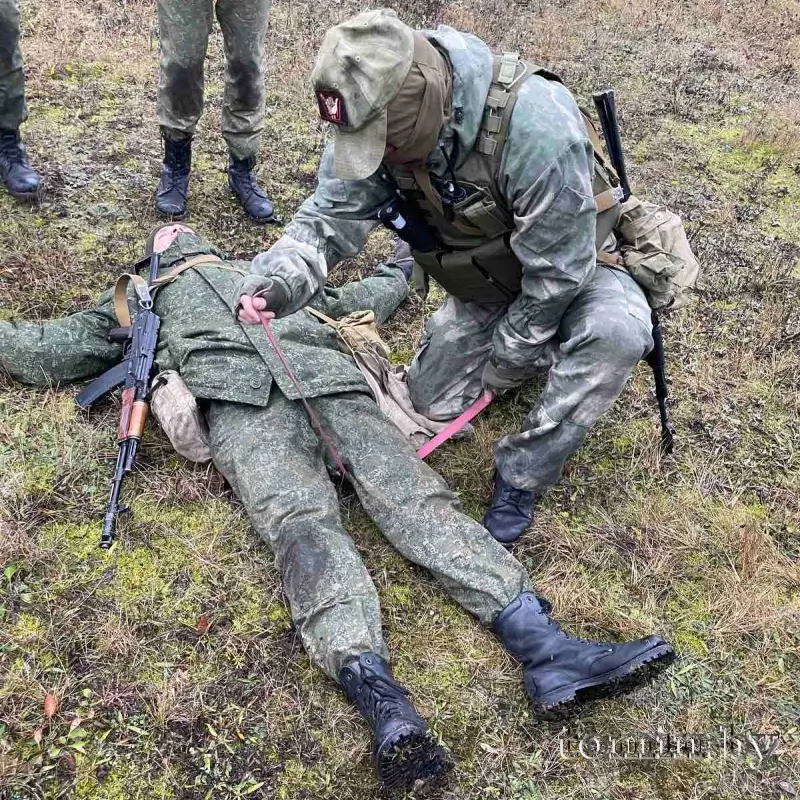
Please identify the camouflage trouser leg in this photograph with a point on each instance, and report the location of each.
(417, 512)
(184, 27)
(244, 28)
(272, 459)
(604, 333)
(12, 79)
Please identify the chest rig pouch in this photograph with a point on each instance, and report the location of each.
(473, 259)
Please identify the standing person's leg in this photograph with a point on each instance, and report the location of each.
(244, 26)
(421, 517)
(184, 27)
(273, 461)
(16, 173)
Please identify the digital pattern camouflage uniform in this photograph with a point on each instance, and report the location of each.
(590, 324)
(184, 27)
(12, 78)
(261, 440)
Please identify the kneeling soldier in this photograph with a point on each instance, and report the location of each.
(490, 162)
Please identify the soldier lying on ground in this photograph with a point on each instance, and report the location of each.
(495, 167)
(262, 442)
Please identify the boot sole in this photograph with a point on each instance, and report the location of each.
(257, 220)
(414, 761)
(28, 197)
(172, 217)
(568, 700)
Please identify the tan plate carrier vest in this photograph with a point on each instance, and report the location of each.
(474, 261)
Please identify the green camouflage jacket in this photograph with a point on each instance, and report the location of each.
(546, 174)
(199, 337)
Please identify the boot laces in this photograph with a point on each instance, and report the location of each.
(516, 498)
(246, 178)
(178, 156)
(571, 637)
(11, 148)
(385, 698)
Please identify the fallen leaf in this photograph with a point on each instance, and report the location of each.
(203, 623)
(787, 788)
(74, 723)
(50, 705)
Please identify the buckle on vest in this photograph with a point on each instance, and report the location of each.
(508, 68)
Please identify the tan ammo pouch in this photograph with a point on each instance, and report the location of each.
(357, 332)
(175, 408)
(656, 252)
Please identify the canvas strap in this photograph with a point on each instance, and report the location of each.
(143, 290)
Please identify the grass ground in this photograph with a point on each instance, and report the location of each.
(169, 668)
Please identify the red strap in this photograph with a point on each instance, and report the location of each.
(315, 422)
(456, 425)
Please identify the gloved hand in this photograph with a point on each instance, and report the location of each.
(258, 294)
(403, 259)
(500, 379)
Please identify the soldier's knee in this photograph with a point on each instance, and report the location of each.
(419, 389)
(619, 340)
(246, 82)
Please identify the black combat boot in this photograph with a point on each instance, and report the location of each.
(562, 671)
(16, 172)
(404, 750)
(244, 184)
(511, 512)
(173, 189)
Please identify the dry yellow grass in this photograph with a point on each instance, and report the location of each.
(702, 546)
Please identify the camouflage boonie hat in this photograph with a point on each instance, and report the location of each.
(360, 68)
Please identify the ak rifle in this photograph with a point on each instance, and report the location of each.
(139, 338)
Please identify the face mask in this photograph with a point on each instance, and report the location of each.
(416, 115)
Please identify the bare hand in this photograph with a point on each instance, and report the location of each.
(252, 308)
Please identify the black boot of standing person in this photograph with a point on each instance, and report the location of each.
(404, 750)
(244, 185)
(563, 671)
(16, 172)
(173, 190)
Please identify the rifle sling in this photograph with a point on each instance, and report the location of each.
(121, 289)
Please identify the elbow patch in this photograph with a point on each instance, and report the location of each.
(331, 192)
(559, 220)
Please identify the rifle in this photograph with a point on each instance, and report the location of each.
(140, 338)
(607, 111)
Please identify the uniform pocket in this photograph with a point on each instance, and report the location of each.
(634, 296)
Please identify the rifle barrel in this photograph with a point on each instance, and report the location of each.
(112, 509)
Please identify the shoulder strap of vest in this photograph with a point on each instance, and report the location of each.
(510, 72)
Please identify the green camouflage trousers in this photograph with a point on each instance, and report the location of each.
(184, 27)
(273, 460)
(12, 79)
(603, 335)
